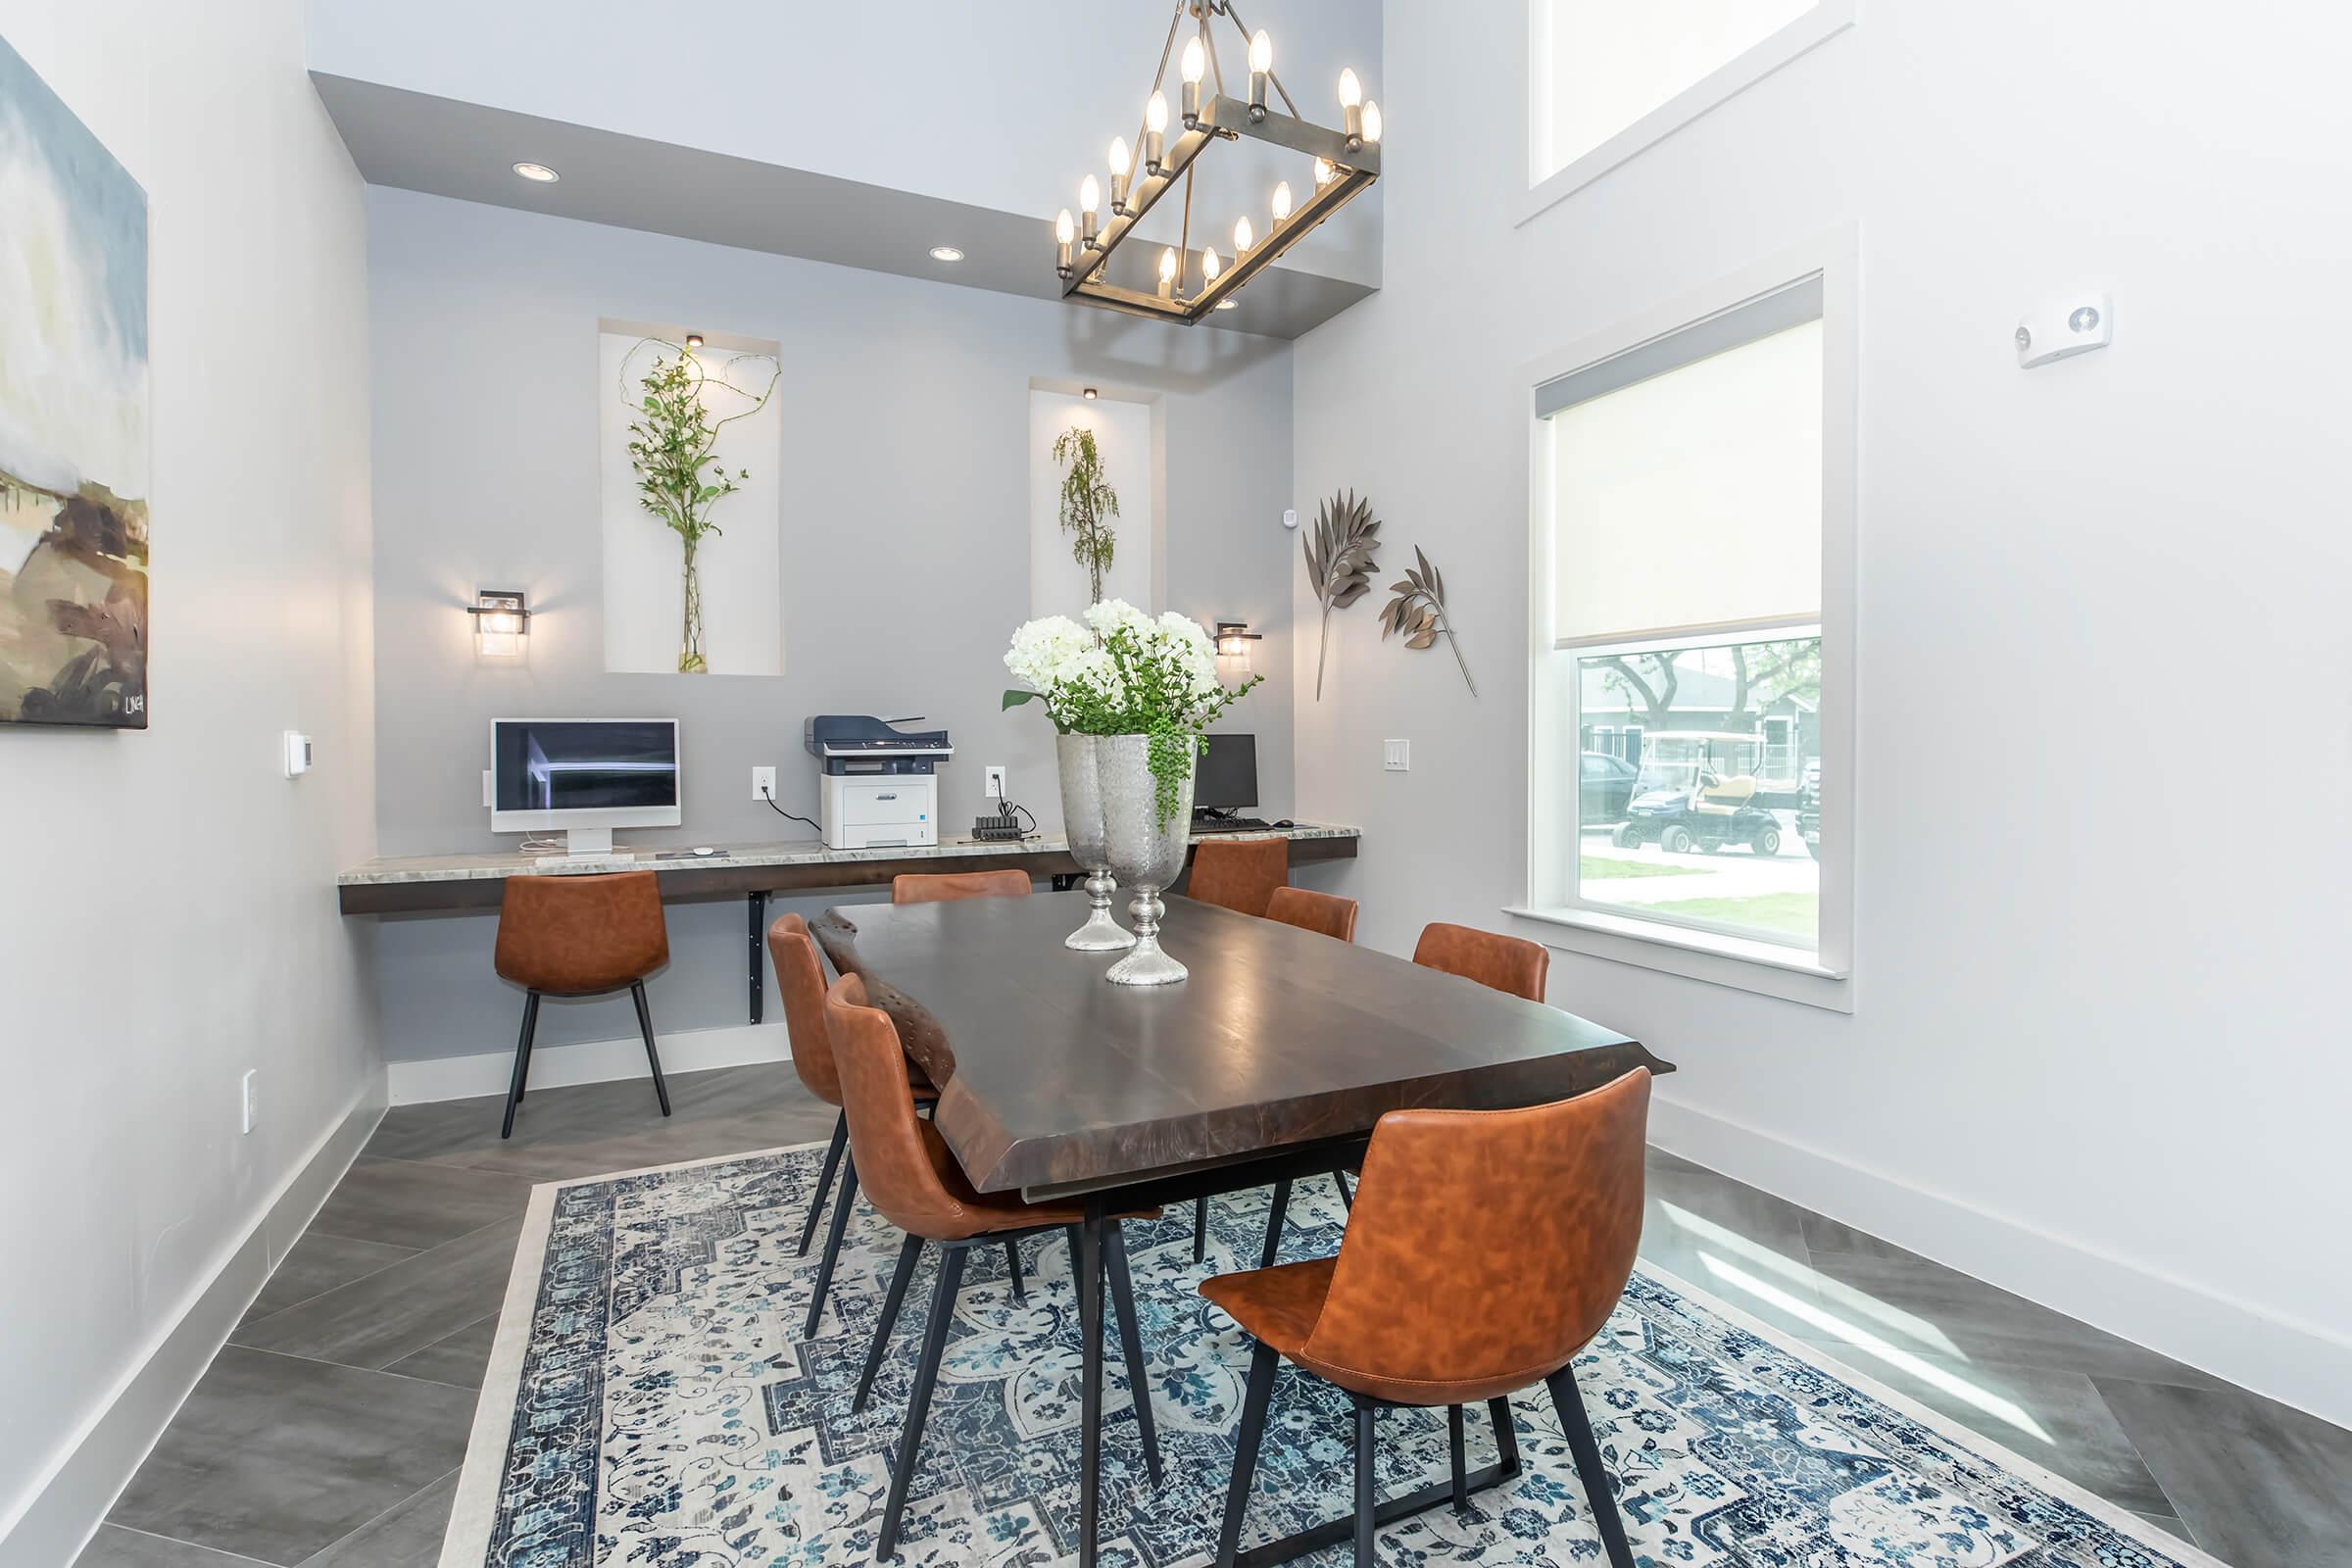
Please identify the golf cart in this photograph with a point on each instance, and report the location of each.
(1697, 791)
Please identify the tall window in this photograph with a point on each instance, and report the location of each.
(1609, 78)
(1680, 506)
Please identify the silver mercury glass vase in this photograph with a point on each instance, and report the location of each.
(1081, 823)
(1146, 855)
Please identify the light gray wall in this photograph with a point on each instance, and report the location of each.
(906, 415)
(2096, 1050)
(167, 899)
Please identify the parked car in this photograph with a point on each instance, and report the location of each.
(1697, 790)
(1808, 807)
(1604, 787)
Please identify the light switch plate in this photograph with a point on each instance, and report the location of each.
(486, 796)
(1396, 756)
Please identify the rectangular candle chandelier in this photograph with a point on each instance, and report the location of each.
(1191, 285)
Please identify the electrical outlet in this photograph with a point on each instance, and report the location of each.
(994, 789)
(249, 1101)
(763, 783)
(1396, 756)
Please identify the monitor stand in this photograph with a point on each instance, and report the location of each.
(583, 844)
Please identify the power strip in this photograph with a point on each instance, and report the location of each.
(1004, 826)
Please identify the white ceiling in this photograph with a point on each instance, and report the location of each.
(859, 133)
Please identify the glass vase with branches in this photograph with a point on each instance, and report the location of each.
(673, 447)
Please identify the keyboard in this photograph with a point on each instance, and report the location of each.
(1231, 824)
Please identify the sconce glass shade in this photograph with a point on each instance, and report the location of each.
(502, 622)
(1234, 638)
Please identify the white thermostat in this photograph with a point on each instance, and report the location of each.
(2075, 323)
(298, 754)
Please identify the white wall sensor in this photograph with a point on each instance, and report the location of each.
(1290, 517)
(298, 754)
(2075, 323)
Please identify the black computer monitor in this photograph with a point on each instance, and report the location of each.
(1227, 778)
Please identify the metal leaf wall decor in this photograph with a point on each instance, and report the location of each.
(1418, 613)
(1339, 561)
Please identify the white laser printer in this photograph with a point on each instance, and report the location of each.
(880, 790)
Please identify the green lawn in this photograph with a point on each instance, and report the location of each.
(1789, 914)
(1595, 869)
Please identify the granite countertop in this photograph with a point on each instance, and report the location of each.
(788, 852)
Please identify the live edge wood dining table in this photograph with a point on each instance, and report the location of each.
(1273, 1059)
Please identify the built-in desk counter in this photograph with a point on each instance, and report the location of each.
(427, 884)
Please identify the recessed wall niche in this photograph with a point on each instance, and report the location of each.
(740, 568)
(1125, 439)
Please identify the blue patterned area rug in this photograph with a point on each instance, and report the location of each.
(651, 1405)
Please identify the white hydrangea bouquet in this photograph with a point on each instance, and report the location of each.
(1123, 672)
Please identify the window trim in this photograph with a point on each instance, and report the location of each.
(1794, 40)
(1823, 976)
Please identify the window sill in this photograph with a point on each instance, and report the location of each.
(1763, 968)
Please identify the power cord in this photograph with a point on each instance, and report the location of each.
(769, 797)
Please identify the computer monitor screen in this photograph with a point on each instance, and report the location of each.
(1227, 776)
(583, 772)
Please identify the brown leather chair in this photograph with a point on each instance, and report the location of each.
(1487, 1248)
(916, 887)
(800, 977)
(914, 1180)
(1506, 963)
(1309, 911)
(580, 936)
(1240, 873)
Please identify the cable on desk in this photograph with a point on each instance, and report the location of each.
(769, 797)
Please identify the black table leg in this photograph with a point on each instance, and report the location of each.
(759, 903)
(1090, 1420)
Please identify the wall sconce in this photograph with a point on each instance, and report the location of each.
(1234, 638)
(502, 622)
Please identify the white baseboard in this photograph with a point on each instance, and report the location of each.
(587, 1062)
(2297, 1363)
(61, 1511)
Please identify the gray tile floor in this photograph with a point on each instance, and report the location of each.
(329, 1431)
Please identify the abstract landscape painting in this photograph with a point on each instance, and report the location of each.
(73, 444)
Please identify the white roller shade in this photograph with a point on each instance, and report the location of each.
(1691, 498)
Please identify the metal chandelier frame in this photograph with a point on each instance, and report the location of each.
(1217, 116)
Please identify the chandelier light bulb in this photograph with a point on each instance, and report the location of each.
(1120, 163)
(1352, 92)
(1065, 227)
(1282, 201)
(1372, 125)
(1167, 264)
(1090, 195)
(1261, 51)
(1322, 172)
(1155, 112)
(1210, 267)
(1196, 62)
(1243, 237)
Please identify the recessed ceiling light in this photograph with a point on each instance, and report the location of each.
(1089, 394)
(945, 253)
(538, 171)
(1229, 305)
(694, 340)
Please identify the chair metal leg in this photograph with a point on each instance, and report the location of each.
(1367, 1497)
(825, 1183)
(1200, 1229)
(1274, 1220)
(1012, 1263)
(919, 1404)
(1131, 1347)
(1462, 1468)
(653, 1058)
(522, 1062)
(1506, 1433)
(908, 1257)
(1589, 1467)
(841, 1224)
(1347, 1190)
(1262, 1361)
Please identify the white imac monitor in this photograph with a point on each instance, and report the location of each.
(585, 776)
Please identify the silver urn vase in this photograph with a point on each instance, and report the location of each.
(1081, 823)
(1146, 855)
